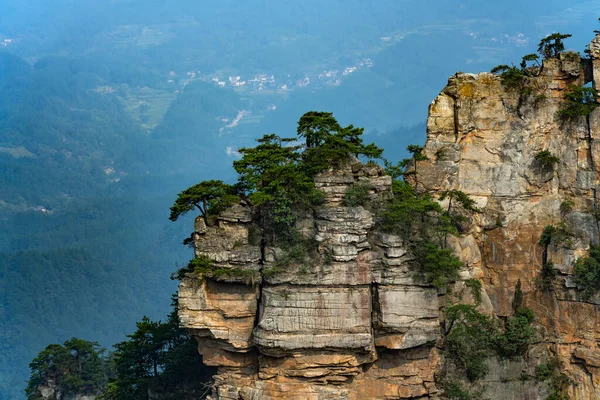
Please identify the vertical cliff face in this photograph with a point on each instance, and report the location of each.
(348, 323)
(483, 140)
(352, 321)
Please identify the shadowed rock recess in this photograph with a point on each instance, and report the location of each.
(356, 323)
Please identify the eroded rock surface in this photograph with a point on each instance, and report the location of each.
(349, 324)
(354, 324)
(483, 139)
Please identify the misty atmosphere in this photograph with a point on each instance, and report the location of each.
(108, 109)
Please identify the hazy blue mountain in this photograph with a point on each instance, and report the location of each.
(109, 108)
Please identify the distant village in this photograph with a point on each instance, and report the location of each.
(268, 82)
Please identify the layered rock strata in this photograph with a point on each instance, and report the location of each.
(352, 323)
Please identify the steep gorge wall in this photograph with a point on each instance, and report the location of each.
(482, 140)
(354, 323)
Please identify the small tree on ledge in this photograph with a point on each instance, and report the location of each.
(580, 102)
(552, 45)
(545, 160)
(207, 196)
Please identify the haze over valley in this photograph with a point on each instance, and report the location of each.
(108, 109)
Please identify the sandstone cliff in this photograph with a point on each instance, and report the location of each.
(354, 323)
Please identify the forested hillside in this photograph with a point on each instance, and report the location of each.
(100, 124)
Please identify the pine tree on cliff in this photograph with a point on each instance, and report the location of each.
(207, 196)
(77, 367)
(159, 359)
(277, 176)
(552, 45)
(316, 126)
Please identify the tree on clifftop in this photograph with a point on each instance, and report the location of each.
(159, 361)
(552, 45)
(75, 367)
(275, 183)
(208, 197)
(277, 176)
(316, 126)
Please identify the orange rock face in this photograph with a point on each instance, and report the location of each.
(482, 140)
(352, 325)
(351, 322)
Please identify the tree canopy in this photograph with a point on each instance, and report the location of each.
(552, 45)
(316, 126)
(277, 175)
(75, 367)
(580, 101)
(160, 358)
(207, 196)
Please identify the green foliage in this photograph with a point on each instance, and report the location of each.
(357, 195)
(76, 367)
(566, 206)
(417, 152)
(515, 78)
(475, 286)
(158, 357)
(438, 265)
(410, 213)
(316, 127)
(421, 222)
(209, 197)
(546, 370)
(461, 198)
(470, 340)
(407, 166)
(254, 235)
(417, 155)
(499, 69)
(276, 183)
(270, 272)
(545, 160)
(459, 204)
(203, 267)
(587, 273)
(529, 58)
(518, 297)
(454, 390)
(512, 77)
(518, 334)
(547, 275)
(552, 45)
(555, 235)
(560, 386)
(540, 98)
(278, 177)
(297, 251)
(547, 235)
(394, 170)
(580, 102)
(559, 382)
(336, 148)
(475, 336)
